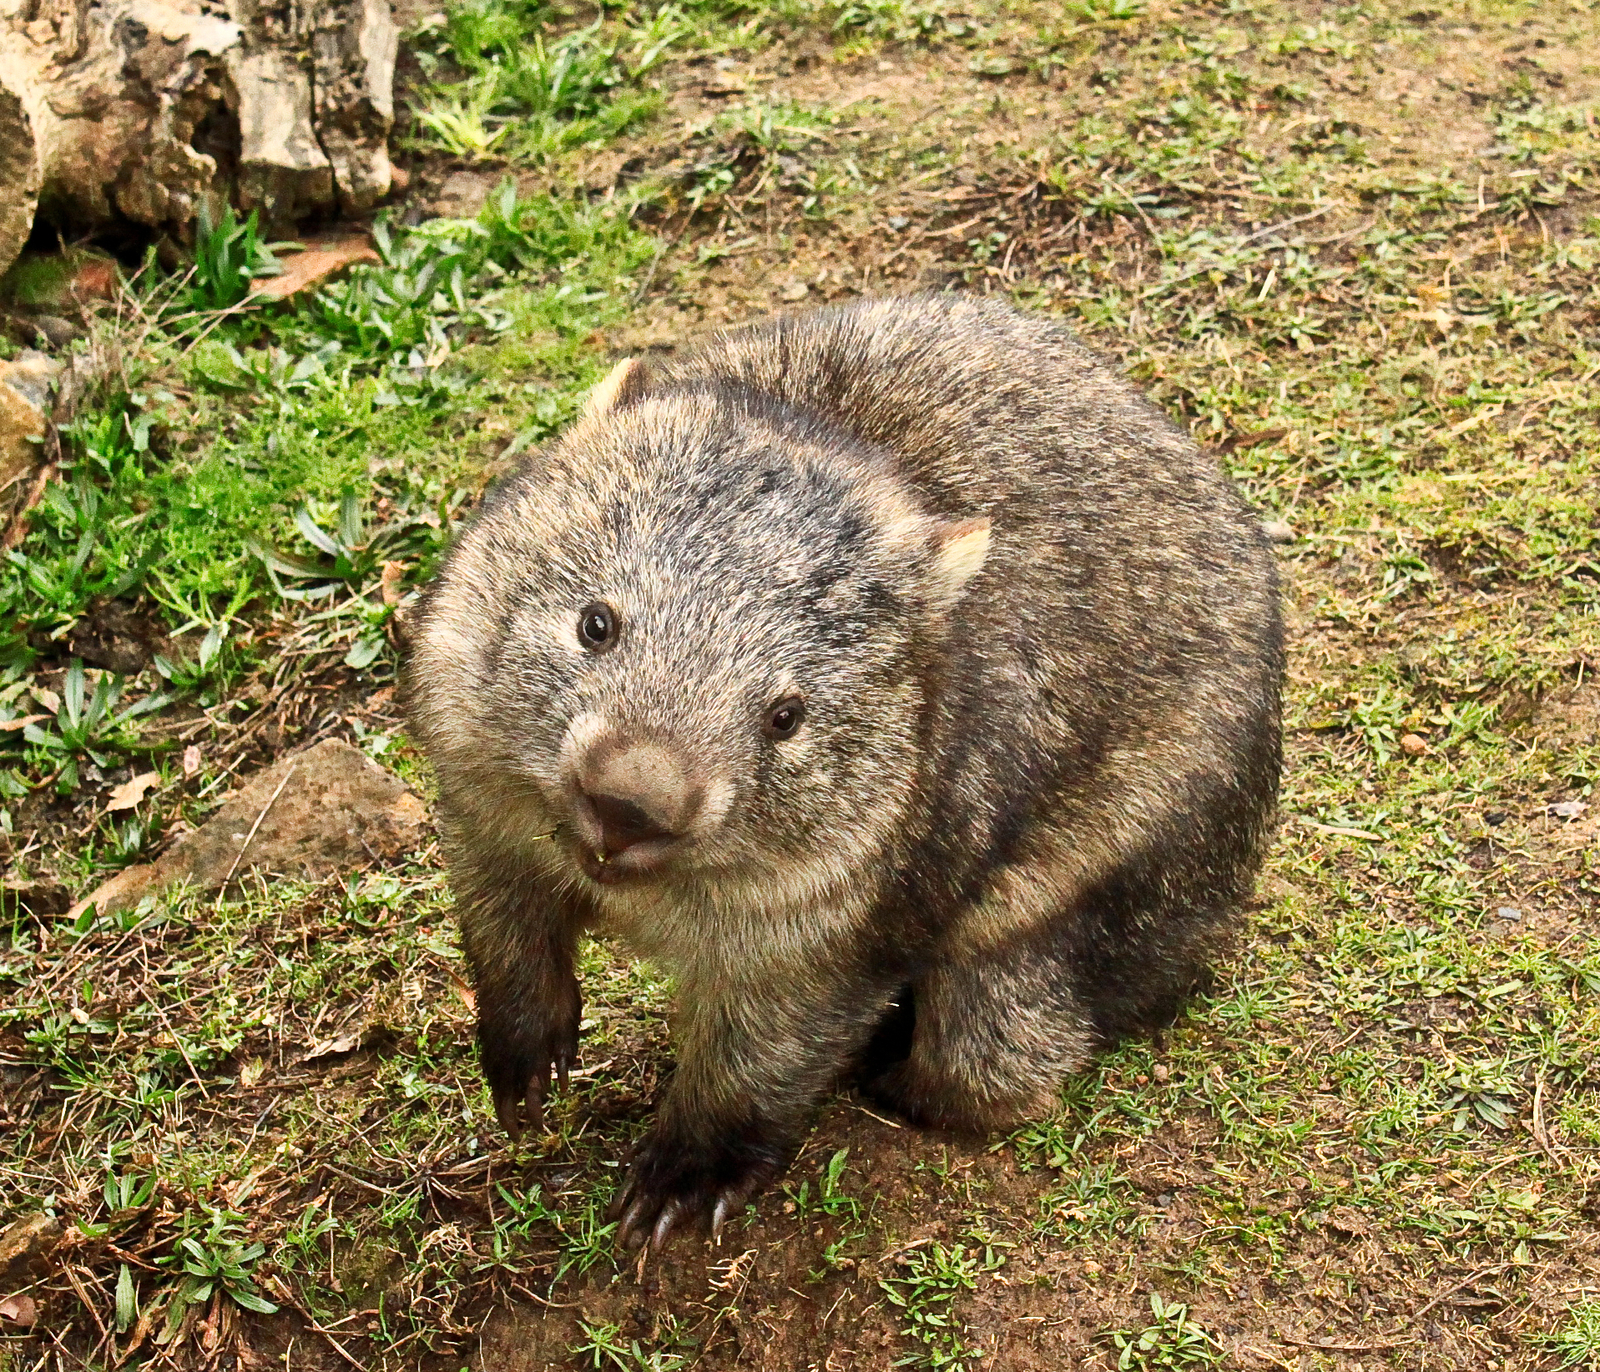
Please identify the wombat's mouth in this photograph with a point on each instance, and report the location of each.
(639, 862)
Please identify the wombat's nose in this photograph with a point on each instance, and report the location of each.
(633, 793)
(622, 823)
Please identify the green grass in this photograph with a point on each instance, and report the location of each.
(1171, 1343)
(1577, 1342)
(514, 81)
(219, 481)
(525, 96)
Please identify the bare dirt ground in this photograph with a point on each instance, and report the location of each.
(1353, 250)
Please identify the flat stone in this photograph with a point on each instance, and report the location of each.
(324, 810)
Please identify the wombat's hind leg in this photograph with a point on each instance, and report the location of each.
(995, 1034)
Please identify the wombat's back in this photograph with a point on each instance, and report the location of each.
(979, 403)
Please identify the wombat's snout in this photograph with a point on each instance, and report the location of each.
(623, 823)
(632, 800)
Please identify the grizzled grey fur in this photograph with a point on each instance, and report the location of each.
(896, 677)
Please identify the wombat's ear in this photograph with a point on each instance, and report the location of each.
(623, 384)
(959, 553)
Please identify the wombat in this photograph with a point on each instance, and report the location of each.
(897, 678)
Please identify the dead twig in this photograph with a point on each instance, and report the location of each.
(1371, 1347)
(281, 1289)
(1537, 1126)
(1482, 1272)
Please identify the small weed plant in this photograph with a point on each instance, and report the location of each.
(1577, 1342)
(932, 1276)
(528, 95)
(1171, 1342)
(88, 728)
(214, 1261)
(229, 257)
(604, 1349)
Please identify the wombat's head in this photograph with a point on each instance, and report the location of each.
(694, 638)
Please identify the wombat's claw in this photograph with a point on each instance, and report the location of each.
(670, 1214)
(645, 1220)
(505, 1110)
(510, 1110)
(674, 1185)
(520, 1047)
(635, 1232)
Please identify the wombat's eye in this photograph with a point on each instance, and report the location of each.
(597, 626)
(784, 718)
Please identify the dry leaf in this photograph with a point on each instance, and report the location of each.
(20, 1311)
(11, 725)
(95, 279)
(315, 264)
(132, 791)
(333, 1048)
(191, 759)
(389, 582)
(251, 1072)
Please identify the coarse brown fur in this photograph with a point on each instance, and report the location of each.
(1035, 636)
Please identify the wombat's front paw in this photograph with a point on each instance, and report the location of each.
(520, 1045)
(675, 1182)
